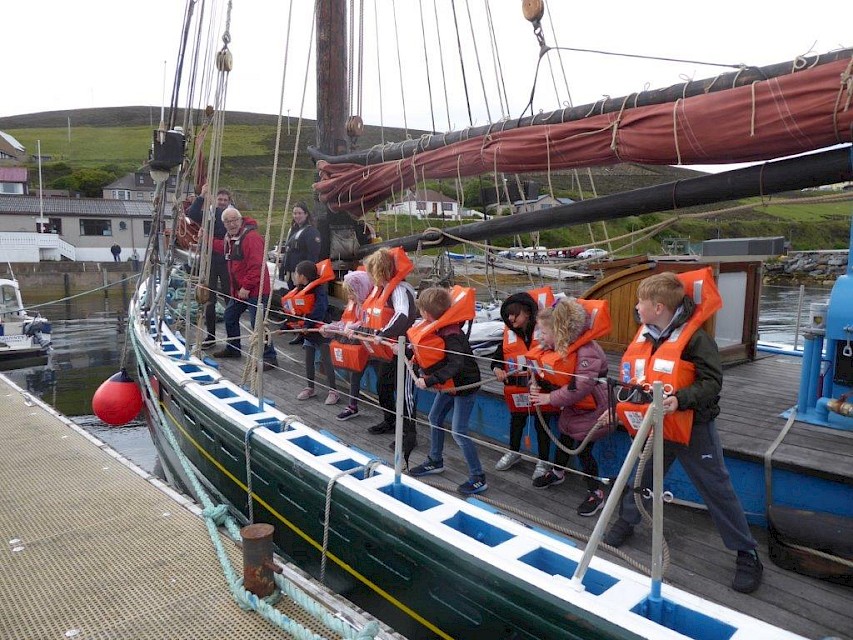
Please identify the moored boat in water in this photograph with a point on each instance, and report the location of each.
(22, 336)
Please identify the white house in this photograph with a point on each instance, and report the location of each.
(539, 204)
(425, 203)
(139, 187)
(72, 228)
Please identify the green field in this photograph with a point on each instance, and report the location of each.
(120, 138)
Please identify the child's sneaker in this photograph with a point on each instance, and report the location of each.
(592, 504)
(551, 479)
(347, 413)
(475, 485)
(427, 468)
(507, 460)
(541, 469)
(306, 393)
(332, 398)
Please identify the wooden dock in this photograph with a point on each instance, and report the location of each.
(753, 396)
(97, 548)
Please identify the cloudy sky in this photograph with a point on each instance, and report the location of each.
(98, 53)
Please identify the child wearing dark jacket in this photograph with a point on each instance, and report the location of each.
(455, 365)
(305, 273)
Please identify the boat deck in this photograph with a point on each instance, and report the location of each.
(97, 548)
(751, 402)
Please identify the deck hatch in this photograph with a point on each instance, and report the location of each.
(595, 582)
(349, 463)
(409, 496)
(479, 530)
(222, 393)
(312, 446)
(685, 621)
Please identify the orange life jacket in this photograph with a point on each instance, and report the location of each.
(300, 302)
(640, 365)
(515, 355)
(427, 345)
(558, 368)
(375, 312)
(351, 356)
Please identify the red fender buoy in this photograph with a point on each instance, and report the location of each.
(118, 400)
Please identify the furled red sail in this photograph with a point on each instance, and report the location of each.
(785, 115)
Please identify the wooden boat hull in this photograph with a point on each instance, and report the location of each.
(428, 563)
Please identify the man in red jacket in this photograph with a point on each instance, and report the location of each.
(243, 248)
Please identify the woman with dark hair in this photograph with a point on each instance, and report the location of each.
(303, 243)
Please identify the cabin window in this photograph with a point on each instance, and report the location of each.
(146, 227)
(96, 227)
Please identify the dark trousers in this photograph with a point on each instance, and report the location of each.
(233, 311)
(703, 462)
(517, 423)
(589, 464)
(386, 383)
(355, 387)
(218, 283)
(325, 358)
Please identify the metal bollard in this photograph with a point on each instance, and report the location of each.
(258, 566)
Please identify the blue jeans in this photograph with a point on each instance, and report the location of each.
(462, 407)
(233, 311)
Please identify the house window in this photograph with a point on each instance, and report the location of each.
(96, 228)
(447, 206)
(55, 225)
(121, 194)
(146, 227)
(140, 195)
(11, 187)
(421, 205)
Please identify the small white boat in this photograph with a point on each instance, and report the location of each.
(21, 334)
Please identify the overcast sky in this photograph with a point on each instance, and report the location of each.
(99, 53)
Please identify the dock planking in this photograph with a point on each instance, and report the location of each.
(98, 548)
(753, 396)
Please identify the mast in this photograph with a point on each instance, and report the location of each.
(331, 93)
(827, 167)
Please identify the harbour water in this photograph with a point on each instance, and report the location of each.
(89, 346)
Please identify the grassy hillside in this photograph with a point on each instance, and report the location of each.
(121, 137)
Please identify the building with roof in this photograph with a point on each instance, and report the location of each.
(11, 149)
(138, 187)
(425, 203)
(539, 204)
(13, 181)
(34, 229)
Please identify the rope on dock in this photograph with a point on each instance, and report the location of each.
(218, 515)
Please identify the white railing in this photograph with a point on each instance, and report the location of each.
(10, 240)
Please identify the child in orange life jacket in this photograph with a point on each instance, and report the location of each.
(670, 323)
(583, 399)
(357, 286)
(306, 272)
(389, 312)
(519, 312)
(454, 363)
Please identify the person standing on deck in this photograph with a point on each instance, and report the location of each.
(574, 364)
(519, 313)
(387, 314)
(217, 279)
(302, 243)
(243, 249)
(671, 347)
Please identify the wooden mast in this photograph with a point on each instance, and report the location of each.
(331, 93)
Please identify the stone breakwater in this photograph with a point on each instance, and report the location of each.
(807, 266)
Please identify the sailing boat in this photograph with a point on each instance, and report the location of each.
(429, 563)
